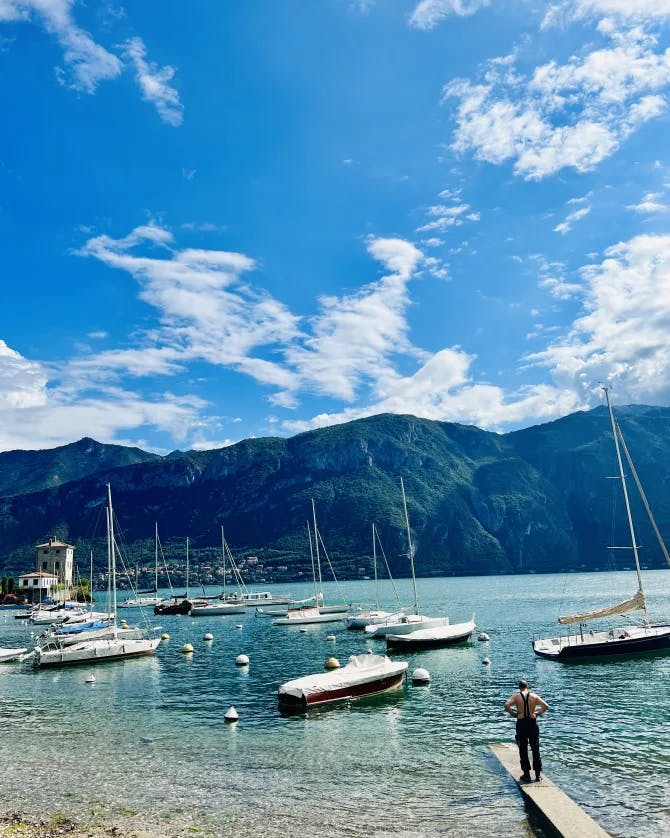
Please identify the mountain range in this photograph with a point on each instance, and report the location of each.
(534, 500)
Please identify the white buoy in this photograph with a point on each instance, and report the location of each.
(332, 663)
(486, 661)
(421, 676)
(303, 631)
(242, 660)
(238, 626)
(90, 679)
(208, 637)
(231, 715)
(331, 638)
(483, 637)
(187, 648)
(165, 636)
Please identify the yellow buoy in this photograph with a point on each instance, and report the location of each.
(187, 648)
(165, 636)
(332, 663)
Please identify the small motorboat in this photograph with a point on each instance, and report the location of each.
(364, 675)
(432, 638)
(7, 655)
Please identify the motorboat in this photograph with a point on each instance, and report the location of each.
(363, 675)
(432, 638)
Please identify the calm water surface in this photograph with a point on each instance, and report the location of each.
(150, 734)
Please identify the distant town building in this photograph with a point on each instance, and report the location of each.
(37, 586)
(56, 558)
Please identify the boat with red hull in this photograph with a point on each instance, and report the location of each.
(364, 675)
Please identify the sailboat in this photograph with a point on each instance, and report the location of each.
(222, 605)
(359, 619)
(177, 604)
(406, 623)
(116, 643)
(629, 640)
(320, 612)
(140, 600)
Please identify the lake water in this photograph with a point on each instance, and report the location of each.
(150, 734)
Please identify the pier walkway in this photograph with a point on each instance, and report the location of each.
(560, 813)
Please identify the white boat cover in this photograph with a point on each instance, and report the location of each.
(435, 634)
(636, 603)
(361, 669)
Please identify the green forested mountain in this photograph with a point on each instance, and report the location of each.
(534, 500)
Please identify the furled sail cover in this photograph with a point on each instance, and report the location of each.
(636, 603)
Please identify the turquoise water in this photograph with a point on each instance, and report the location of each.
(150, 734)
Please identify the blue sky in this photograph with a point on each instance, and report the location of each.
(221, 220)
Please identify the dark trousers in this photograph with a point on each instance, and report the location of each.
(528, 733)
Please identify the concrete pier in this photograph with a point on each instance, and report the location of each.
(560, 813)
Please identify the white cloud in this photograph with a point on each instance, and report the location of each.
(206, 311)
(622, 335)
(570, 219)
(563, 115)
(154, 81)
(626, 10)
(353, 337)
(87, 62)
(649, 204)
(444, 216)
(429, 13)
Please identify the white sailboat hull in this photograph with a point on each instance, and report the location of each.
(7, 655)
(96, 651)
(307, 616)
(217, 609)
(405, 625)
(432, 638)
(360, 620)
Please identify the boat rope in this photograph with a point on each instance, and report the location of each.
(325, 553)
(652, 520)
(388, 569)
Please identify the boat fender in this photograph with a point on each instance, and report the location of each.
(231, 715)
(332, 663)
(242, 660)
(421, 676)
(187, 649)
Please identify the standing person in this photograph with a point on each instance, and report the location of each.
(525, 707)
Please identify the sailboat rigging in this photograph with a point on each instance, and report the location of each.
(631, 639)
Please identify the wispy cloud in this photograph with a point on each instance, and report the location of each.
(562, 115)
(622, 335)
(650, 203)
(86, 62)
(429, 13)
(635, 11)
(441, 217)
(154, 81)
(571, 219)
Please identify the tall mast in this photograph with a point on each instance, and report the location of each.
(410, 548)
(223, 550)
(156, 558)
(374, 564)
(616, 433)
(311, 556)
(90, 586)
(316, 539)
(112, 549)
(186, 567)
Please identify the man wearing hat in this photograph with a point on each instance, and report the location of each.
(525, 707)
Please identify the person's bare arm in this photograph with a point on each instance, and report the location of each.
(511, 703)
(541, 706)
